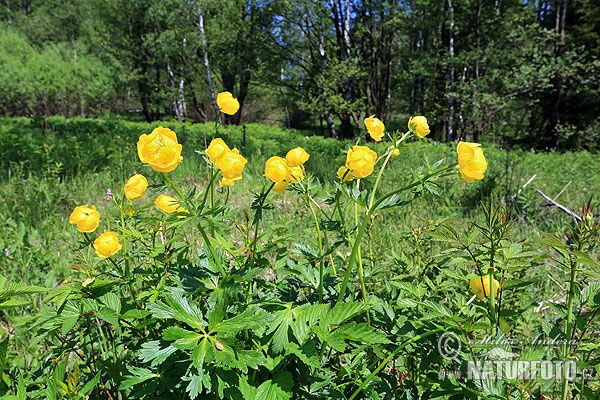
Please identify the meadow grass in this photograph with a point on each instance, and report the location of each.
(51, 168)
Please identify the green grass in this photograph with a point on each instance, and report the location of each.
(51, 166)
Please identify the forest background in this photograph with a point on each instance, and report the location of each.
(515, 72)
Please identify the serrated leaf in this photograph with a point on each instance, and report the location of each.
(361, 332)
(138, 376)
(308, 353)
(9, 289)
(112, 301)
(341, 312)
(176, 306)
(153, 352)
(13, 303)
(88, 387)
(204, 352)
(279, 388)
(306, 317)
(249, 319)
(109, 315)
(182, 338)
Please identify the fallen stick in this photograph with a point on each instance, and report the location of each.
(554, 203)
(524, 186)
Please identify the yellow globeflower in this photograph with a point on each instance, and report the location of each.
(344, 173)
(232, 164)
(227, 103)
(280, 187)
(107, 244)
(226, 182)
(375, 127)
(478, 289)
(471, 161)
(216, 149)
(297, 156)
(418, 125)
(167, 203)
(277, 170)
(86, 218)
(160, 149)
(135, 188)
(296, 174)
(361, 161)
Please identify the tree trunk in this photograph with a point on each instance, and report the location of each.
(209, 81)
(450, 133)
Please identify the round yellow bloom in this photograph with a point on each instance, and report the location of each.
(232, 164)
(277, 170)
(471, 161)
(395, 152)
(135, 188)
(226, 182)
(482, 291)
(297, 156)
(375, 127)
(216, 149)
(280, 187)
(167, 203)
(227, 103)
(296, 174)
(361, 161)
(86, 218)
(342, 174)
(418, 125)
(160, 149)
(107, 244)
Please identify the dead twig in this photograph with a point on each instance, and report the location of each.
(554, 203)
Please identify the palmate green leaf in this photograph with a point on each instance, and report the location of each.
(307, 316)
(308, 353)
(280, 324)
(278, 388)
(251, 318)
(344, 311)
(182, 338)
(439, 310)
(248, 359)
(176, 306)
(109, 315)
(248, 391)
(361, 332)
(204, 352)
(155, 354)
(138, 375)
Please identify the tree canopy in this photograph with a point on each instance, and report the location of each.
(518, 72)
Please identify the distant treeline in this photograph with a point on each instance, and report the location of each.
(520, 73)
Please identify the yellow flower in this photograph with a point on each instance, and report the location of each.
(471, 161)
(375, 128)
(418, 125)
(361, 161)
(277, 170)
(395, 152)
(478, 289)
(216, 149)
(87, 219)
(296, 174)
(167, 203)
(280, 187)
(342, 174)
(107, 244)
(227, 103)
(232, 164)
(160, 149)
(297, 156)
(226, 182)
(135, 188)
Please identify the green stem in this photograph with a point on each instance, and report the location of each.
(170, 183)
(569, 324)
(365, 222)
(212, 250)
(361, 274)
(385, 362)
(255, 239)
(321, 269)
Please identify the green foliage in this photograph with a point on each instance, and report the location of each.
(347, 301)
